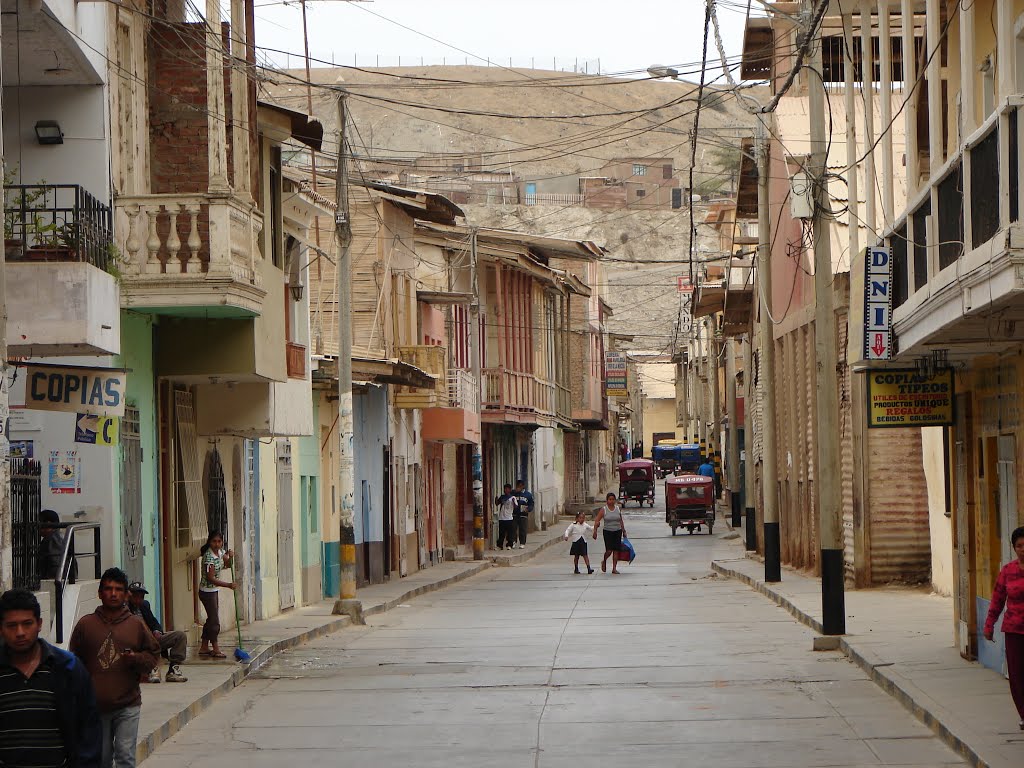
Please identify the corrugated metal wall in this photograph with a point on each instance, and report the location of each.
(897, 509)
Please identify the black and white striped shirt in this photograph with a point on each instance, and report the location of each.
(30, 734)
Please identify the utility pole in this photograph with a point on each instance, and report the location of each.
(346, 470)
(827, 477)
(715, 444)
(750, 511)
(6, 538)
(479, 542)
(732, 456)
(766, 374)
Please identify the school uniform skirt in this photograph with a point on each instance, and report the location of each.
(579, 547)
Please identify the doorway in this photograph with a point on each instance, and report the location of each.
(131, 495)
(285, 526)
(1007, 472)
(964, 530)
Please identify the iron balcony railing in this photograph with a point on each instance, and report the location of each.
(57, 222)
(463, 390)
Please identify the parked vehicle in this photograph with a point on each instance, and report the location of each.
(636, 481)
(688, 458)
(666, 457)
(690, 502)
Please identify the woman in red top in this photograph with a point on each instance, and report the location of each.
(1009, 591)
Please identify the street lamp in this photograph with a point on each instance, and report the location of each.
(658, 71)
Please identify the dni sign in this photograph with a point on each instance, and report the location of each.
(877, 303)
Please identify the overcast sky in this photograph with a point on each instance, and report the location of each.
(623, 36)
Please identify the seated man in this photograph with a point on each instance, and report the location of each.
(174, 643)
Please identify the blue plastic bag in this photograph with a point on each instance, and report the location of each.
(627, 552)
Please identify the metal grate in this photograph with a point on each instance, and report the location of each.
(216, 495)
(191, 517)
(26, 488)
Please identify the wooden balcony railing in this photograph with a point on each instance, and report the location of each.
(427, 358)
(564, 403)
(296, 360)
(463, 390)
(518, 392)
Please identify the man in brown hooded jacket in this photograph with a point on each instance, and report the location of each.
(117, 648)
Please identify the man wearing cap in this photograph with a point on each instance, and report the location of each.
(174, 643)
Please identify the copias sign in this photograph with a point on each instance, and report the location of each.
(98, 391)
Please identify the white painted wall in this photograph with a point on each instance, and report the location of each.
(83, 158)
(62, 308)
(939, 526)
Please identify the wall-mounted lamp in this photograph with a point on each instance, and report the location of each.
(49, 132)
(296, 290)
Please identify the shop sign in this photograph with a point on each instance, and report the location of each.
(97, 430)
(615, 374)
(877, 303)
(906, 398)
(98, 391)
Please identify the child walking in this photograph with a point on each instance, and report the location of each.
(577, 534)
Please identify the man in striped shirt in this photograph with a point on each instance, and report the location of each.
(48, 715)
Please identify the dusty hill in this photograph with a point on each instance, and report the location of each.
(542, 124)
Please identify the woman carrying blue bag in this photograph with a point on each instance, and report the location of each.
(614, 533)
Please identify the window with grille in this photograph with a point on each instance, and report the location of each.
(639, 170)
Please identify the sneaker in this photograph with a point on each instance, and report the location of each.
(174, 675)
(154, 676)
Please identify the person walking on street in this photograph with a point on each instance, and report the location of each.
(524, 511)
(614, 529)
(577, 534)
(1009, 594)
(215, 560)
(506, 505)
(117, 649)
(48, 715)
(173, 643)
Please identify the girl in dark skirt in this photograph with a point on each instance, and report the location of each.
(577, 534)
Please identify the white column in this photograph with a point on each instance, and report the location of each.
(216, 115)
(240, 100)
(910, 108)
(935, 148)
(1004, 48)
(852, 150)
(868, 91)
(885, 59)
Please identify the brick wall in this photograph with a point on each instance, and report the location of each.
(179, 123)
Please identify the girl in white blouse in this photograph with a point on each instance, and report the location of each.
(577, 534)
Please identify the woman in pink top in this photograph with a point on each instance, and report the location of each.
(1009, 591)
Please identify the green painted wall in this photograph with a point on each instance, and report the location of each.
(137, 358)
(309, 502)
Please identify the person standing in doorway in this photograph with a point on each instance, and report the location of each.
(215, 560)
(173, 643)
(51, 547)
(506, 510)
(117, 649)
(614, 529)
(1009, 595)
(524, 511)
(48, 715)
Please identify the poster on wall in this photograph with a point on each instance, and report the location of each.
(65, 472)
(22, 449)
(615, 374)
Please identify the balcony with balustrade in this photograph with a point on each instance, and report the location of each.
(457, 418)
(514, 397)
(191, 255)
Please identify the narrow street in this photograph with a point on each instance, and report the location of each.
(664, 665)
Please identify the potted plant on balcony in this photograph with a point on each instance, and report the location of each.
(56, 242)
(22, 207)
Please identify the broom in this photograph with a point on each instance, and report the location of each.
(240, 654)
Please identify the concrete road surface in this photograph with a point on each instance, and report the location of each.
(664, 665)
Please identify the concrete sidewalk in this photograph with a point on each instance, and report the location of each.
(168, 707)
(903, 639)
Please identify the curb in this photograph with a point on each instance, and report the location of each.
(425, 588)
(146, 745)
(504, 561)
(879, 672)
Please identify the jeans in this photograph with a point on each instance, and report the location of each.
(175, 643)
(506, 533)
(523, 524)
(120, 732)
